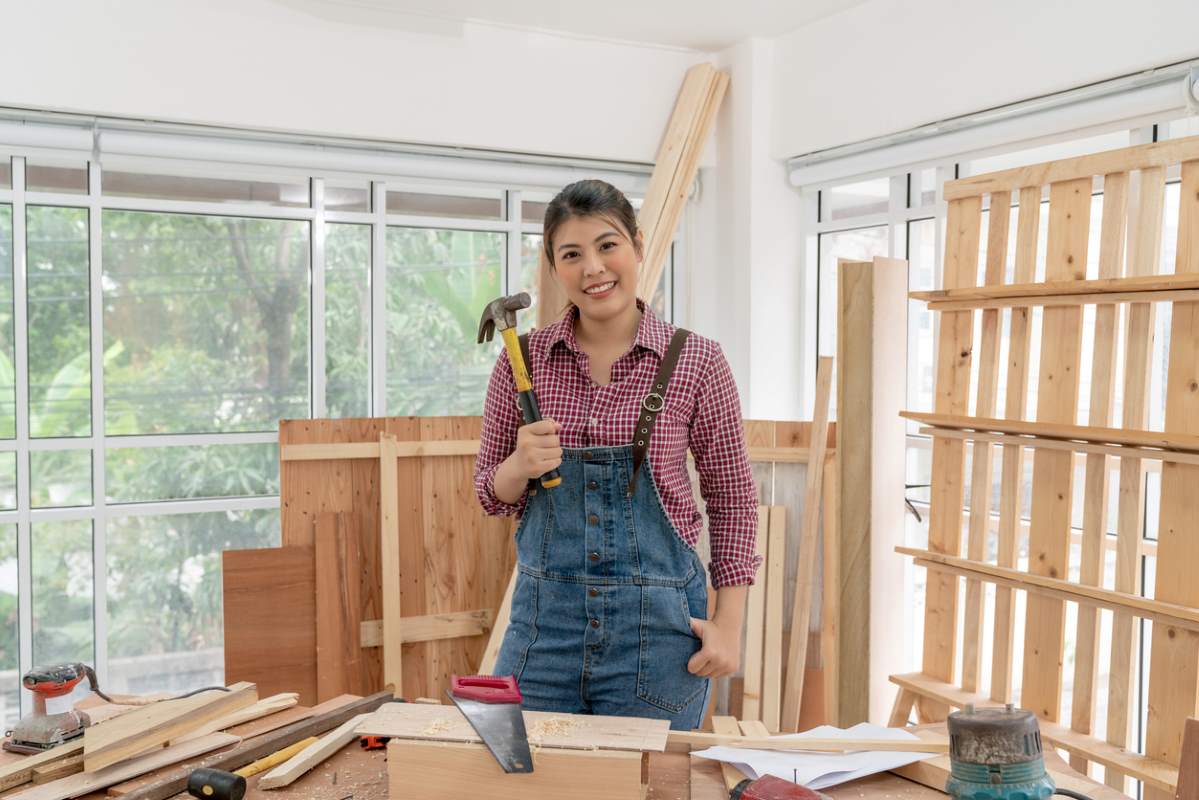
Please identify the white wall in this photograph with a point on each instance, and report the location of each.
(889, 65)
(262, 64)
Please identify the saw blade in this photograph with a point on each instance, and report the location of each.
(501, 726)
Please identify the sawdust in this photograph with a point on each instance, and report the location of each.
(436, 727)
(554, 726)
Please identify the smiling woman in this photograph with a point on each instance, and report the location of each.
(609, 612)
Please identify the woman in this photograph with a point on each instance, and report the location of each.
(609, 614)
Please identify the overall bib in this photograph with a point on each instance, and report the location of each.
(600, 619)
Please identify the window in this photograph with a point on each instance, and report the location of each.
(171, 318)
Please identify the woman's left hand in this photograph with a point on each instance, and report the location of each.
(721, 651)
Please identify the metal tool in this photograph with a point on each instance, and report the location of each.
(41, 731)
(996, 754)
(500, 314)
(492, 706)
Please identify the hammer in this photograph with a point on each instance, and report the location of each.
(501, 314)
(206, 783)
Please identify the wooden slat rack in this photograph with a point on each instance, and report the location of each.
(1126, 285)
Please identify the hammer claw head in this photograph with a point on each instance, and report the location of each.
(501, 313)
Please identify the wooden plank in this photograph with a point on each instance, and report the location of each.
(448, 769)
(1143, 255)
(901, 712)
(270, 613)
(1174, 658)
(1067, 445)
(1161, 154)
(272, 722)
(389, 516)
(1094, 513)
(143, 728)
(1174, 614)
(412, 490)
(94, 780)
(344, 450)
(432, 627)
(801, 605)
(1071, 300)
(338, 606)
(1154, 772)
(683, 116)
(1053, 472)
(59, 769)
(264, 707)
(20, 770)
(954, 349)
(772, 647)
(707, 780)
(732, 737)
(982, 456)
(1133, 437)
(658, 247)
(727, 726)
(755, 629)
(312, 755)
(1115, 189)
(830, 612)
(1188, 766)
(445, 723)
(496, 640)
(754, 729)
(172, 782)
(1012, 465)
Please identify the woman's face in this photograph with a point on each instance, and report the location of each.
(596, 264)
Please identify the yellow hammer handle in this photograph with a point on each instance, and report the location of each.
(274, 759)
(520, 372)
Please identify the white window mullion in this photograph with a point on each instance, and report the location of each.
(378, 284)
(99, 493)
(21, 342)
(317, 296)
(512, 267)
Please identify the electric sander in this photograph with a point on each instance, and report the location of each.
(996, 754)
(41, 731)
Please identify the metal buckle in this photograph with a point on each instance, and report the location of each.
(653, 402)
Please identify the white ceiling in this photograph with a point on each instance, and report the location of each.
(706, 25)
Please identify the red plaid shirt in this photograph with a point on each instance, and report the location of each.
(703, 412)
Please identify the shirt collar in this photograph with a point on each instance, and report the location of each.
(652, 333)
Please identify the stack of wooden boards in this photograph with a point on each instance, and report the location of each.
(1126, 289)
(146, 752)
(675, 168)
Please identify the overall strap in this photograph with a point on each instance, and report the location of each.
(654, 402)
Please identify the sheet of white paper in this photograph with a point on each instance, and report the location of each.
(820, 770)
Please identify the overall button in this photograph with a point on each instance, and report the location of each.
(595, 623)
(594, 556)
(593, 592)
(593, 519)
(593, 485)
(587, 455)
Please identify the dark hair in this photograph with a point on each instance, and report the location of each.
(589, 198)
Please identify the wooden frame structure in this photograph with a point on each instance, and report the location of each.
(1124, 292)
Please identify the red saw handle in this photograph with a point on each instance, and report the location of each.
(486, 688)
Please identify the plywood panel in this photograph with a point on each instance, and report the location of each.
(270, 619)
(338, 606)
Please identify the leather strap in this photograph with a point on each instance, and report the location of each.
(654, 402)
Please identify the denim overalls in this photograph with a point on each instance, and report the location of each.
(600, 614)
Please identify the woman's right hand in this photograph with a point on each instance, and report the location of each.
(537, 449)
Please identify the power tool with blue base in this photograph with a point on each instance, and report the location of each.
(996, 754)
